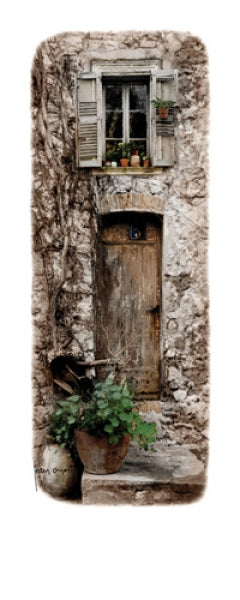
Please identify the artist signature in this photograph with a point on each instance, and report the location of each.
(47, 471)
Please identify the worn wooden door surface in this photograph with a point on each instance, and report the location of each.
(128, 299)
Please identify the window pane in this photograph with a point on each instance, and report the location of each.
(125, 116)
(113, 124)
(140, 145)
(137, 125)
(138, 96)
(112, 151)
(113, 96)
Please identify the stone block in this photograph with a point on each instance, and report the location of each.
(157, 204)
(137, 200)
(147, 44)
(180, 395)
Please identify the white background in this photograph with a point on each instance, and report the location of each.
(51, 549)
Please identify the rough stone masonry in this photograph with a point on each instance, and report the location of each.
(66, 202)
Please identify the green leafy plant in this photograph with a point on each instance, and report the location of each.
(110, 411)
(159, 103)
(63, 420)
(137, 146)
(124, 149)
(112, 155)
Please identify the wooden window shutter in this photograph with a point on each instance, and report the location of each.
(89, 120)
(163, 85)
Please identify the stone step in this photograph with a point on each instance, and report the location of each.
(173, 474)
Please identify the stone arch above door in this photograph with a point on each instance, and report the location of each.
(130, 201)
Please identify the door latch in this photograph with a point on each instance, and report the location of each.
(153, 310)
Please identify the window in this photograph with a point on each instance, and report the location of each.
(125, 115)
(114, 104)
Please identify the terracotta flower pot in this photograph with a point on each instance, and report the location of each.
(97, 455)
(124, 162)
(145, 163)
(163, 112)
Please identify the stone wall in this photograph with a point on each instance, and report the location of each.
(65, 205)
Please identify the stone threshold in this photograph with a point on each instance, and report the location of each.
(169, 476)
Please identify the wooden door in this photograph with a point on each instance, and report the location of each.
(128, 299)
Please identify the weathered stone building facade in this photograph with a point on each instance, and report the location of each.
(68, 201)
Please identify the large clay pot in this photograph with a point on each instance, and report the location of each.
(97, 455)
(57, 474)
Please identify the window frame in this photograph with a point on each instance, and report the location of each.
(162, 137)
(125, 83)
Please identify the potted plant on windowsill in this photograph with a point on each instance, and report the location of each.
(124, 153)
(111, 158)
(101, 427)
(162, 107)
(145, 161)
(137, 150)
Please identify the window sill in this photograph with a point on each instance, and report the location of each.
(99, 171)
